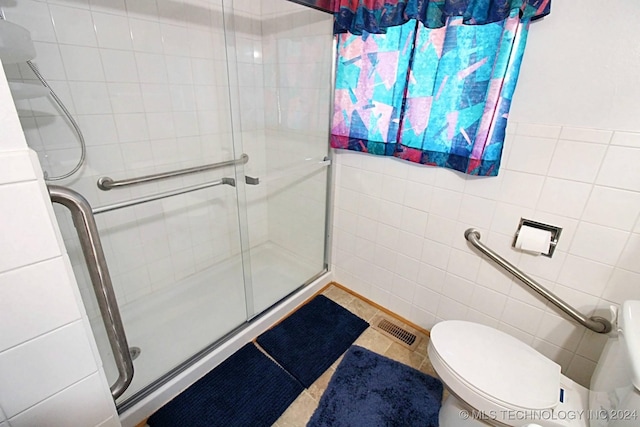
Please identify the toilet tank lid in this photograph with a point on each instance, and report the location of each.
(498, 364)
(629, 326)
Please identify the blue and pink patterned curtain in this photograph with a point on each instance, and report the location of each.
(429, 81)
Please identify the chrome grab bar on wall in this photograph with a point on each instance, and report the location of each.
(105, 183)
(94, 256)
(595, 323)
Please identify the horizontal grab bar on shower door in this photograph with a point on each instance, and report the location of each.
(164, 195)
(595, 323)
(105, 183)
(87, 229)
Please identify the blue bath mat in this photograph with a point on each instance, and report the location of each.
(369, 390)
(247, 389)
(312, 338)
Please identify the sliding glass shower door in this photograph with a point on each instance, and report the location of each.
(152, 99)
(159, 89)
(283, 69)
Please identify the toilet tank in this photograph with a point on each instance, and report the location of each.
(614, 396)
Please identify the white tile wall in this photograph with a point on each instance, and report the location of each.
(570, 160)
(37, 243)
(594, 266)
(553, 87)
(79, 405)
(46, 353)
(23, 316)
(50, 362)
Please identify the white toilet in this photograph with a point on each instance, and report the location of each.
(497, 380)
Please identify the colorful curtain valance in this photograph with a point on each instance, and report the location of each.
(439, 97)
(375, 16)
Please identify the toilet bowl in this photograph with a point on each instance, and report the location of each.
(497, 380)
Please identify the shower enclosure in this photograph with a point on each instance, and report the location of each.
(158, 87)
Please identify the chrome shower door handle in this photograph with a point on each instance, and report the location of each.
(87, 229)
(250, 180)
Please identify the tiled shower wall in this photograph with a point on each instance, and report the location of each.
(248, 103)
(284, 57)
(570, 160)
(297, 57)
(147, 82)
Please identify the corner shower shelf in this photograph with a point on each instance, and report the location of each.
(15, 43)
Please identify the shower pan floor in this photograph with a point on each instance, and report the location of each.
(172, 325)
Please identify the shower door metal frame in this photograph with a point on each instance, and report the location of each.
(331, 172)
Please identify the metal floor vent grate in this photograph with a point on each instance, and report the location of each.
(398, 332)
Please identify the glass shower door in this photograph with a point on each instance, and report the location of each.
(190, 292)
(165, 86)
(178, 291)
(149, 88)
(283, 80)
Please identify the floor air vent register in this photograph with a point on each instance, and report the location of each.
(402, 334)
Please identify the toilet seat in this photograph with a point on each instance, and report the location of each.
(493, 371)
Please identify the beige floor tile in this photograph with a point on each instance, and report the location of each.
(337, 362)
(361, 309)
(403, 355)
(320, 385)
(338, 295)
(299, 413)
(374, 341)
(422, 345)
(427, 368)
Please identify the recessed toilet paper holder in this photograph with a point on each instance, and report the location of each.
(555, 233)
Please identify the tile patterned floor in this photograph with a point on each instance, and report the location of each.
(300, 411)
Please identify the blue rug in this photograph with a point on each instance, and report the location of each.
(312, 338)
(247, 389)
(369, 390)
